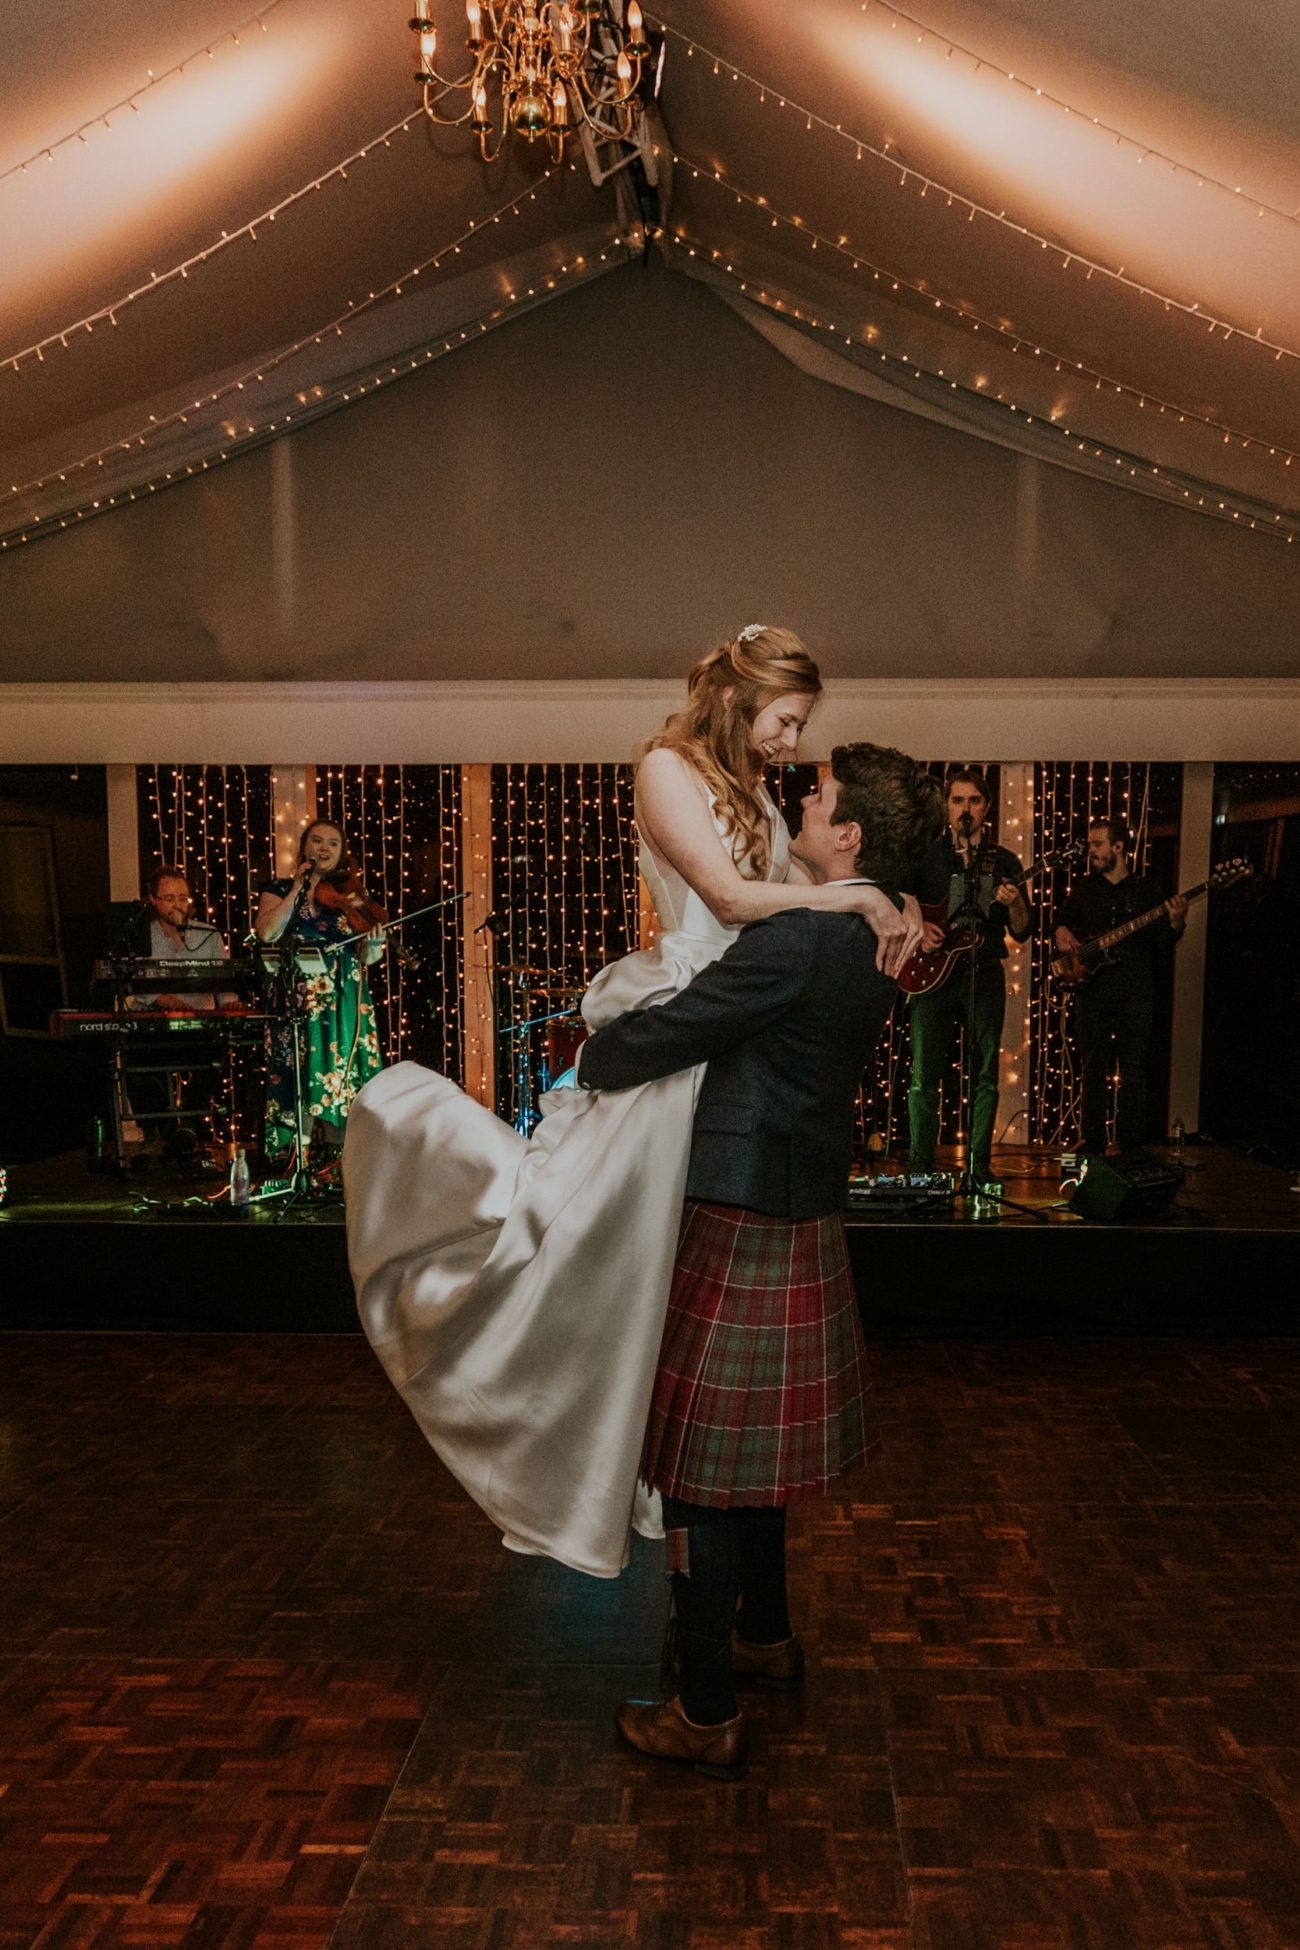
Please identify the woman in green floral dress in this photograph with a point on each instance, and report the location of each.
(336, 1033)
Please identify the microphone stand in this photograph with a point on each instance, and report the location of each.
(967, 1182)
(286, 983)
(138, 910)
(206, 929)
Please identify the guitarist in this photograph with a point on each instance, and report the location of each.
(967, 855)
(1115, 1004)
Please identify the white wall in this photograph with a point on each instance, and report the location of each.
(404, 723)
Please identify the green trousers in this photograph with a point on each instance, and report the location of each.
(934, 1019)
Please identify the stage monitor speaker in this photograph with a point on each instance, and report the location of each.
(1129, 1189)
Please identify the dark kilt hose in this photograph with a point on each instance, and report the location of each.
(762, 1395)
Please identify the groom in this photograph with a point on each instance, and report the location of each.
(760, 1394)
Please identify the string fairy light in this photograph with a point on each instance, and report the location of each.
(320, 401)
(1068, 795)
(1146, 150)
(37, 350)
(564, 872)
(564, 866)
(965, 314)
(257, 374)
(47, 150)
(216, 823)
(924, 183)
(403, 828)
(1166, 481)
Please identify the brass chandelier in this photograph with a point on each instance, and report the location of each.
(540, 68)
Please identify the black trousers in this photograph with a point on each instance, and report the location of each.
(1114, 1022)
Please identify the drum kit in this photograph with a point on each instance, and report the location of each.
(544, 1001)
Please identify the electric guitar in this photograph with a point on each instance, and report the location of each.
(1076, 965)
(930, 968)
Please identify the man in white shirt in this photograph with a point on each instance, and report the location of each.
(167, 933)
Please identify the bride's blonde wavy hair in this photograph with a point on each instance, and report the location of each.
(713, 733)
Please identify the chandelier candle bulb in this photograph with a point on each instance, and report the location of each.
(422, 25)
(530, 53)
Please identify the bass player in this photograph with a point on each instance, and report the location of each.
(965, 861)
(1115, 1004)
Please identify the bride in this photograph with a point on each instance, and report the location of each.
(515, 1289)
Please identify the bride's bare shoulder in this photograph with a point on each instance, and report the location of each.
(663, 772)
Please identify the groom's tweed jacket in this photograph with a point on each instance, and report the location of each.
(785, 1020)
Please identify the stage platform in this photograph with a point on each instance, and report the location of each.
(82, 1250)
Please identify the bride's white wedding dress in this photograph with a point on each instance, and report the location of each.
(515, 1289)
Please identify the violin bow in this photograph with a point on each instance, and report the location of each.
(355, 940)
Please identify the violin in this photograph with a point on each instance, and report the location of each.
(342, 893)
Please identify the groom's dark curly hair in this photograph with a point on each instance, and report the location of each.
(895, 802)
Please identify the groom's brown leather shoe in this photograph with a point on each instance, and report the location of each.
(778, 1667)
(659, 1727)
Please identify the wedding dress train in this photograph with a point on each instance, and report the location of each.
(515, 1289)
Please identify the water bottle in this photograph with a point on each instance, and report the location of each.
(239, 1184)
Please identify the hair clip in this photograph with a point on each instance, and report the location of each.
(750, 631)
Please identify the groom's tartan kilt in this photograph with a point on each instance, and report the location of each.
(762, 1392)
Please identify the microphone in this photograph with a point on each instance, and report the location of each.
(495, 922)
(965, 822)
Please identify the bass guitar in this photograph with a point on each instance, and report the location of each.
(1078, 964)
(930, 968)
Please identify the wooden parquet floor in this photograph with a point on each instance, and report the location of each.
(268, 1681)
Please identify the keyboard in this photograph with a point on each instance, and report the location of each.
(197, 972)
(233, 1025)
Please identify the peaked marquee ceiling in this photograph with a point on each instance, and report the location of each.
(1087, 212)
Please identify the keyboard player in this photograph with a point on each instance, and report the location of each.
(166, 931)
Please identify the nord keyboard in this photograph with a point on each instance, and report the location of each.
(231, 1025)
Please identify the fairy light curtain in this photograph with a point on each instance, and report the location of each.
(564, 885)
(1147, 799)
(216, 823)
(403, 826)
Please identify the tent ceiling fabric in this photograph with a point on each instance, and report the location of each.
(274, 109)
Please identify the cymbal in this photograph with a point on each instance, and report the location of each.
(534, 976)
